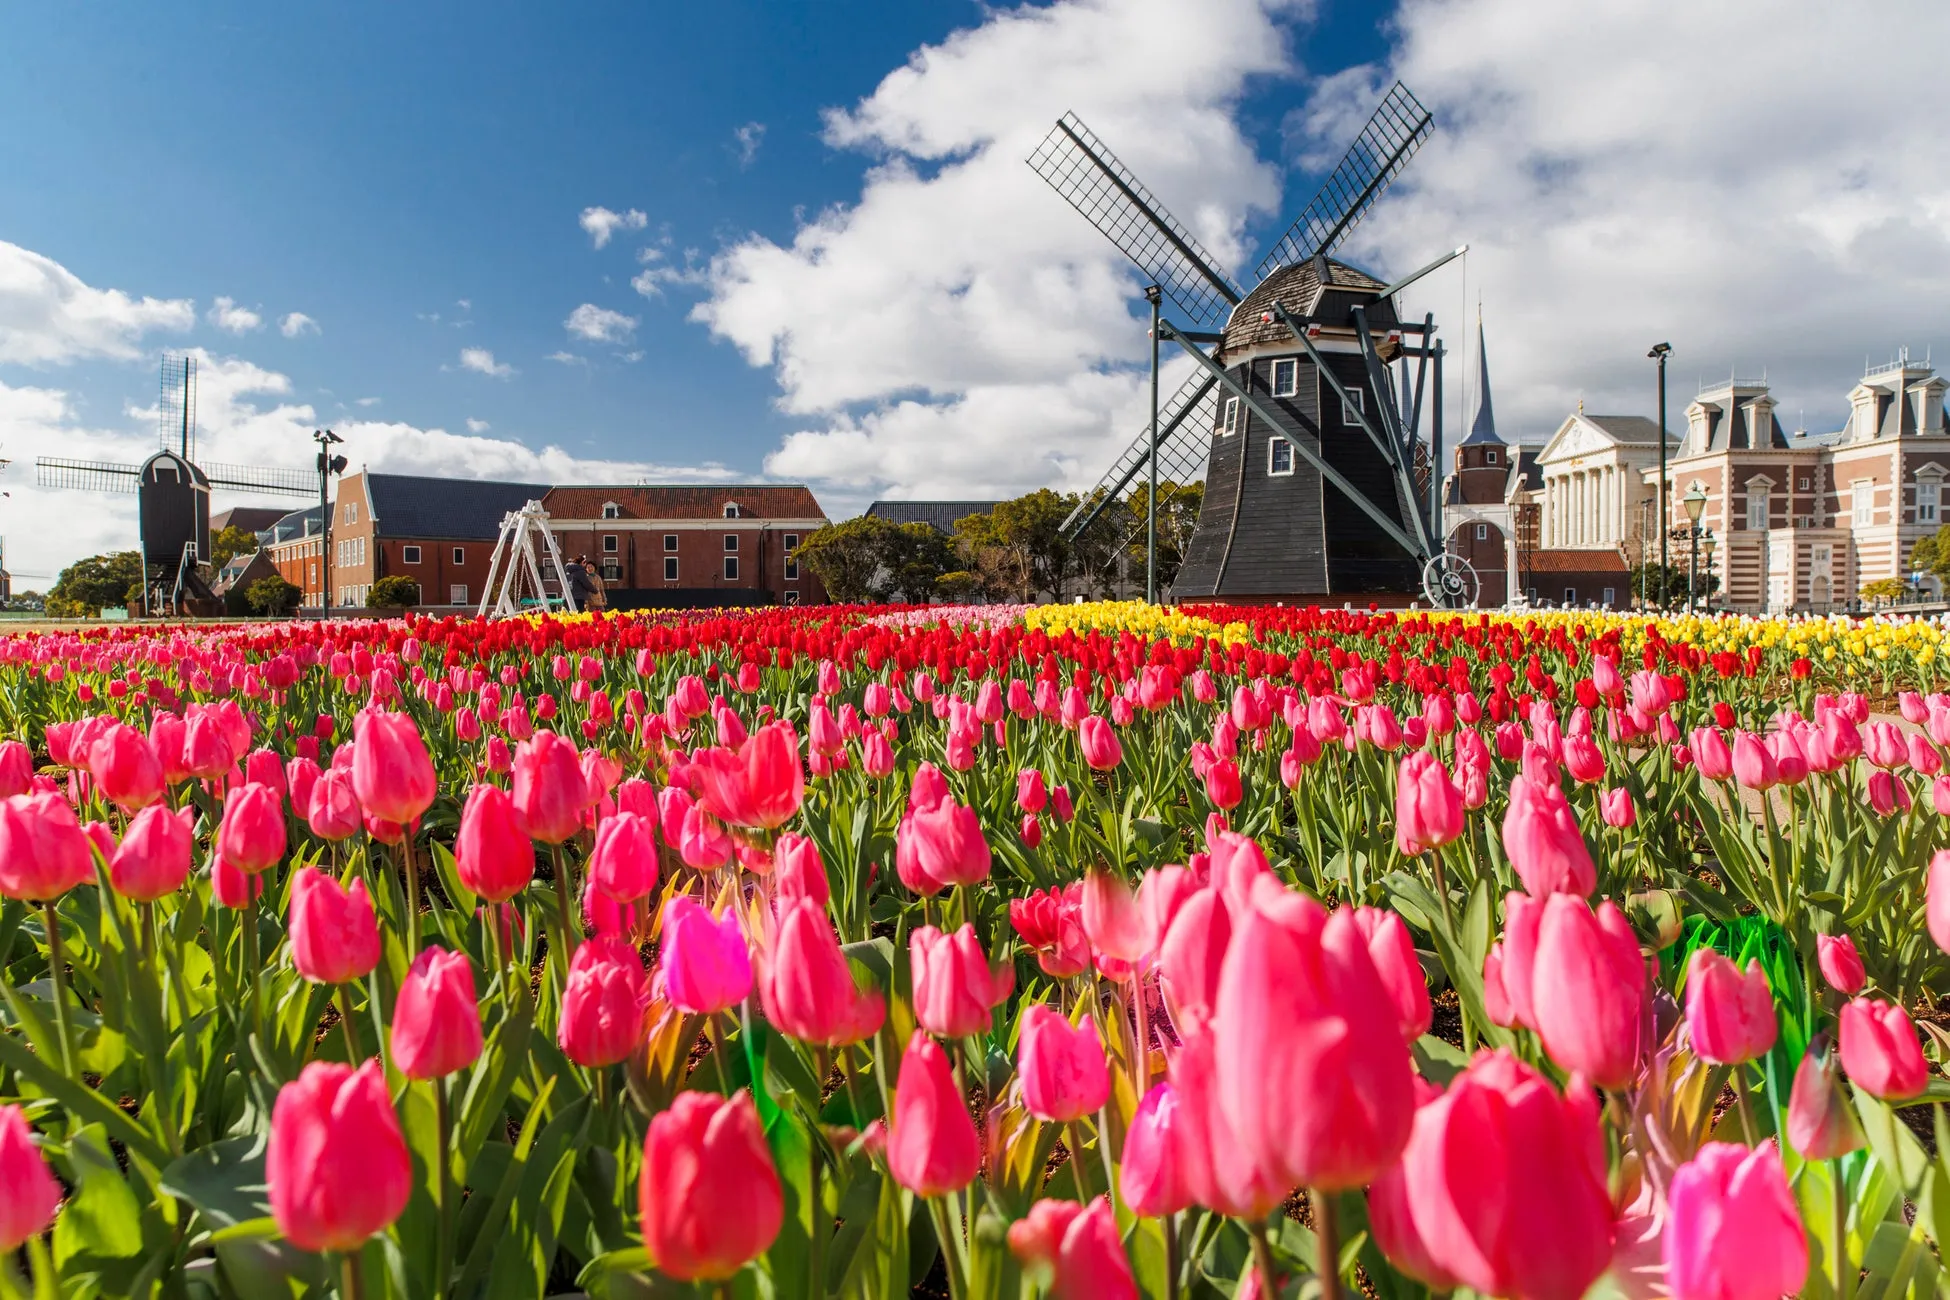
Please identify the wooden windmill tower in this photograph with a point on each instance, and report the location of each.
(173, 492)
(1303, 416)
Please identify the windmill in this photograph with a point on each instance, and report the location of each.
(172, 491)
(1304, 416)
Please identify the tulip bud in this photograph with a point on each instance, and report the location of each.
(29, 1194)
(43, 852)
(1541, 838)
(492, 855)
(932, 1146)
(806, 987)
(1880, 1051)
(623, 863)
(603, 1003)
(251, 835)
(334, 933)
(709, 1195)
(955, 987)
(1393, 954)
(332, 810)
(940, 847)
(705, 963)
(1821, 1121)
(1150, 1176)
(153, 859)
(1734, 1231)
(550, 789)
(1075, 1250)
(1936, 911)
(436, 1021)
(1588, 990)
(1730, 1014)
(1841, 964)
(1428, 806)
(337, 1164)
(125, 766)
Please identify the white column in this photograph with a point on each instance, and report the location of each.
(1550, 511)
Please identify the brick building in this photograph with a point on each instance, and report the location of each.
(292, 545)
(440, 532)
(663, 545)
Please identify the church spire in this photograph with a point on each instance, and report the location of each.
(1483, 428)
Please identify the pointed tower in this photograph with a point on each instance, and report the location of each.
(1476, 513)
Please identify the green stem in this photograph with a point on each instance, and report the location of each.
(1328, 1250)
(444, 1245)
(352, 1054)
(411, 871)
(1269, 1283)
(564, 915)
(1746, 1112)
(821, 1225)
(247, 917)
(951, 1263)
(57, 969)
(1173, 1283)
(1844, 1275)
(352, 1281)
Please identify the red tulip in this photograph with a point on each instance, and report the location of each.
(391, 772)
(337, 1164)
(29, 1195)
(1734, 1232)
(1880, 1051)
(932, 1147)
(955, 987)
(125, 767)
(1541, 838)
(624, 862)
(1077, 1250)
(806, 988)
(492, 855)
(762, 784)
(1050, 922)
(603, 1003)
(1310, 1059)
(705, 962)
(1730, 1014)
(153, 859)
(1428, 806)
(1098, 741)
(1821, 1121)
(43, 852)
(251, 835)
(1151, 1176)
(709, 1195)
(1841, 964)
(334, 933)
(797, 871)
(1393, 954)
(940, 847)
(1061, 1067)
(1588, 990)
(550, 790)
(436, 1022)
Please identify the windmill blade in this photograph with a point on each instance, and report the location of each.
(1377, 156)
(86, 475)
(1079, 166)
(251, 478)
(1184, 440)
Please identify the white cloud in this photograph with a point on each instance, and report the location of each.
(567, 358)
(959, 327)
(746, 140)
(600, 324)
(233, 318)
(658, 271)
(48, 316)
(477, 426)
(296, 323)
(482, 361)
(368, 401)
(602, 224)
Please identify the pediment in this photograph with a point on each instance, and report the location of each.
(1577, 436)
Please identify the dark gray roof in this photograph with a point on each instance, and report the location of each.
(407, 505)
(1524, 472)
(1631, 428)
(1483, 430)
(298, 523)
(250, 518)
(941, 514)
(1298, 288)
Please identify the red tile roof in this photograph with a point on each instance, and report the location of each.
(684, 501)
(1559, 561)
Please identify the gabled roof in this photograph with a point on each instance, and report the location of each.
(298, 523)
(941, 515)
(253, 519)
(410, 505)
(1524, 472)
(682, 501)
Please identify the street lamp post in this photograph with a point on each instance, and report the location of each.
(1659, 353)
(1706, 544)
(1695, 503)
(328, 465)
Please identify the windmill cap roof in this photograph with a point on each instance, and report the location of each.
(1298, 287)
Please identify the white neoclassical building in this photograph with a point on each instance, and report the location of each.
(1596, 494)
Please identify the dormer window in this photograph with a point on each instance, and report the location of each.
(731, 510)
(611, 510)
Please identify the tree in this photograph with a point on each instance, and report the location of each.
(1645, 583)
(844, 556)
(1018, 548)
(913, 558)
(395, 592)
(85, 586)
(1178, 507)
(1883, 590)
(230, 543)
(275, 597)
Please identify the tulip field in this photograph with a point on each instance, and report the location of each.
(1092, 951)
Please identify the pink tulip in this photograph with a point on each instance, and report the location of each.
(16, 768)
(153, 859)
(623, 863)
(1588, 990)
(1151, 1176)
(1753, 765)
(332, 811)
(1391, 1216)
(550, 790)
(1615, 806)
(1730, 1014)
(1734, 1232)
(1222, 784)
(797, 871)
(43, 851)
(29, 1194)
(337, 1163)
(1076, 1248)
(251, 835)
(1112, 919)
(761, 785)
(705, 963)
(806, 988)
(125, 767)
(1711, 755)
(1220, 1170)
(1880, 1051)
(1099, 743)
(1841, 964)
(1032, 795)
(709, 1195)
(1584, 760)
(955, 987)
(262, 767)
(940, 847)
(1936, 909)
(1821, 1122)
(1428, 806)
(1061, 1067)
(436, 1022)
(603, 1003)
(932, 1146)
(1887, 794)
(207, 750)
(1393, 954)
(493, 857)
(1541, 837)
(1191, 955)
(334, 933)
(234, 888)
(391, 771)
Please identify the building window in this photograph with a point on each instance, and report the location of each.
(609, 543)
(1489, 456)
(1611, 596)
(1279, 456)
(1757, 500)
(352, 512)
(409, 555)
(670, 568)
(1803, 483)
(457, 594)
(460, 555)
(1352, 406)
(1229, 417)
(731, 510)
(1862, 502)
(792, 598)
(791, 561)
(1570, 595)
(1482, 532)
(731, 568)
(612, 571)
(1286, 378)
(730, 542)
(610, 511)
(1928, 492)
(670, 541)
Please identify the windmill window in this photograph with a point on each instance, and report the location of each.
(670, 541)
(1611, 596)
(610, 510)
(670, 568)
(1351, 406)
(609, 543)
(791, 561)
(792, 598)
(731, 568)
(409, 555)
(1286, 378)
(1482, 532)
(1279, 457)
(1489, 456)
(1229, 417)
(1570, 595)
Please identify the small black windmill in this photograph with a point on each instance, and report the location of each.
(1304, 418)
(172, 491)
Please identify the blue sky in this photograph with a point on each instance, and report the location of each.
(853, 280)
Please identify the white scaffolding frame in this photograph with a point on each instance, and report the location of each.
(515, 565)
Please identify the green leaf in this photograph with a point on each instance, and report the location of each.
(443, 861)
(103, 1219)
(83, 1102)
(224, 1181)
(1895, 1147)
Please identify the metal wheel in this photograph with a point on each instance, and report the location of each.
(1448, 582)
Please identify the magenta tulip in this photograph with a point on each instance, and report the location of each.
(1151, 1176)
(1428, 805)
(337, 1163)
(1734, 1232)
(806, 987)
(761, 784)
(624, 862)
(1588, 991)
(932, 1146)
(334, 933)
(43, 851)
(603, 1003)
(1075, 1249)
(153, 859)
(1841, 965)
(436, 1022)
(251, 835)
(1062, 1068)
(1730, 1014)
(550, 790)
(705, 962)
(709, 1195)
(493, 856)
(391, 771)
(1098, 741)
(1541, 837)
(29, 1194)
(956, 988)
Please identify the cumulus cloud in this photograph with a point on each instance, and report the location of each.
(745, 142)
(297, 323)
(234, 318)
(567, 358)
(368, 401)
(477, 426)
(959, 326)
(659, 272)
(49, 316)
(600, 324)
(601, 224)
(482, 361)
